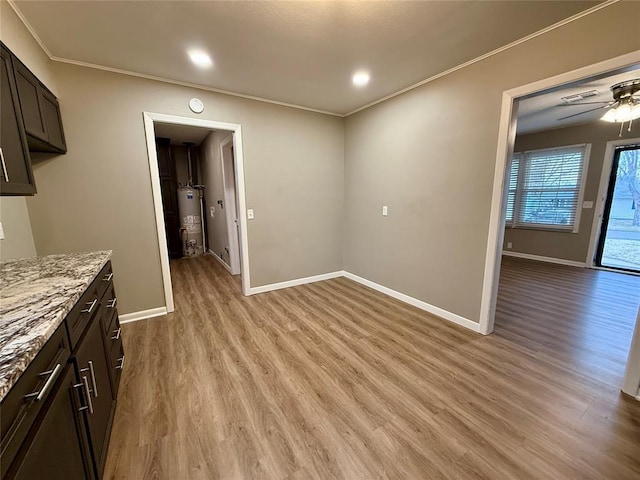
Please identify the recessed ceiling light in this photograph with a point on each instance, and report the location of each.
(360, 79)
(200, 58)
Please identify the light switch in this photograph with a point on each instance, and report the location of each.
(509, 245)
(1, 232)
(212, 211)
(250, 214)
(385, 211)
(587, 204)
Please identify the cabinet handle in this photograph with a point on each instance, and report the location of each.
(117, 332)
(4, 167)
(93, 377)
(53, 375)
(91, 306)
(107, 278)
(119, 367)
(112, 303)
(85, 383)
(84, 393)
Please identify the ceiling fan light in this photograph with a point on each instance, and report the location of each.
(635, 111)
(623, 112)
(610, 116)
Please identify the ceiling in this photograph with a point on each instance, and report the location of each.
(543, 111)
(179, 134)
(300, 53)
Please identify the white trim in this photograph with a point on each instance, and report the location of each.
(631, 382)
(149, 118)
(231, 211)
(489, 54)
(290, 105)
(540, 258)
(427, 307)
(583, 186)
(616, 270)
(142, 315)
(293, 283)
(154, 77)
(219, 259)
(598, 207)
(506, 136)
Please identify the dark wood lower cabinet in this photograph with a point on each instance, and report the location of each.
(57, 448)
(67, 435)
(92, 368)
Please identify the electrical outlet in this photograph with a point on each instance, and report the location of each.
(1, 232)
(587, 204)
(385, 211)
(250, 214)
(509, 245)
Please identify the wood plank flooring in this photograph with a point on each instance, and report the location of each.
(333, 380)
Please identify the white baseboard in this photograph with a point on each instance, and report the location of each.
(539, 258)
(220, 260)
(142, 315)
(427, 307)
(296, 282)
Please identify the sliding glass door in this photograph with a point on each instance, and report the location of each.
(619, 245)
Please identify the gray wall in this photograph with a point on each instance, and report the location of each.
(429, 155)
(98, 195)
(211, 165)
(18, 241)
(566, 245)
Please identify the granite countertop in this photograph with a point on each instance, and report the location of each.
(35, 296)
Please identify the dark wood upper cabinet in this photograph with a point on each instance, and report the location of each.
(15, 169)
(30, 122)
(40, 112)
(29, 93)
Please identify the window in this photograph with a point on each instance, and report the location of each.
(545, 188)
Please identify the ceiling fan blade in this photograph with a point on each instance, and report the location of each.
(584, 103)
(582, 113)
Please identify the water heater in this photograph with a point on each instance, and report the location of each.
(190, 209)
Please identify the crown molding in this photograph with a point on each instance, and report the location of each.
(559, 24)
(301, 107)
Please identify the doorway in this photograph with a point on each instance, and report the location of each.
(505, 152)
(234, 131)
(619, 243)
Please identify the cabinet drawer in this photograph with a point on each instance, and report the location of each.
(81, 315)
(109, 303)
(104, 280)
(27, 397)
(115, 351)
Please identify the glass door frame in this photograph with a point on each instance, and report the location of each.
(604, 223)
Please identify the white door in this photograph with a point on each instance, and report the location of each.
(231, 200)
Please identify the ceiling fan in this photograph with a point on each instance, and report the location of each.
(625, 106)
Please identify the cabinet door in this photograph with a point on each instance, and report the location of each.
(92, 369)
(57, 449)
(30, 92)
(53, 120)
(15, 169)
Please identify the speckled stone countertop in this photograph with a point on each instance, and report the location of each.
(35, 296)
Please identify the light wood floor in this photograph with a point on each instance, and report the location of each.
(334, 380)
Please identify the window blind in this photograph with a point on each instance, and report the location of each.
(513, 185)
(547, 188)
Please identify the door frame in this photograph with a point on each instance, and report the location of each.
(603, 189)
(506, 140)
(149, 119)
(231, 213)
